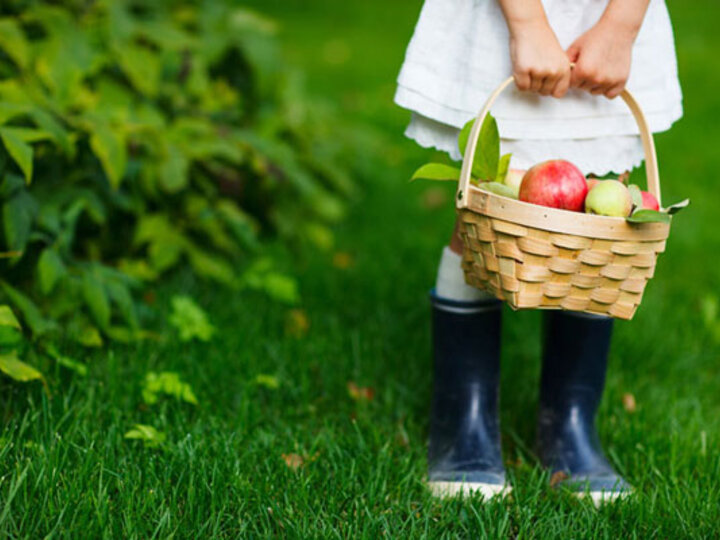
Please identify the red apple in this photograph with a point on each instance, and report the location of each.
(649, 201)
(555, 183)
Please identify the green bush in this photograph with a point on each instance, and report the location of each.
(136, 137)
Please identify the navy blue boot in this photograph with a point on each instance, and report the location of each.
(464, 450)
(573, 377)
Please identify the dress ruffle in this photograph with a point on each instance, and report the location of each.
(596, 155)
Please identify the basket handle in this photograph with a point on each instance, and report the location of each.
(651, 166)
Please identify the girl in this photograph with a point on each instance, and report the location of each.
(581, 51)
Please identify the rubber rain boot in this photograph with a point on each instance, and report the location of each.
(464, 450)
(573, 378)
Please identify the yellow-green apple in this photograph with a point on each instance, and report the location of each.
(513, 179)
(649, 201)
(555, 183)
(609, 198)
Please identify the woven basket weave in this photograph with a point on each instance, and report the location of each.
(537, 257)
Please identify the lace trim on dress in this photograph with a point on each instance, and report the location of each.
(597, 155)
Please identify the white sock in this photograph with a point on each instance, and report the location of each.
(450, 282)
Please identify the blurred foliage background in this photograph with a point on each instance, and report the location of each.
(140, 136)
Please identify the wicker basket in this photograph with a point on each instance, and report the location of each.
(537, 257)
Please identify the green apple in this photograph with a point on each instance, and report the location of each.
(513, 178)
(609, 198)
(636, 195)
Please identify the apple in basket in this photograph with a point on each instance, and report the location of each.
(643, 200)
(609, 198)
(513, 178)
(555, 183)
(649, 201)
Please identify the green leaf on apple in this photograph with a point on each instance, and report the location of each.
(648, 216)
(675, 208)
(503, 167)
(437, 171)
(498, 189)
(485, 164)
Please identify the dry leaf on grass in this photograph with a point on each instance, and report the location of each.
(297, 323)
(296, 461)
(557, 477)
(293, 461)
(360, 393)
(342, 260)
(629, 403)
(518, 463)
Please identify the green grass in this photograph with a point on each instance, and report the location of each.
(66, 471)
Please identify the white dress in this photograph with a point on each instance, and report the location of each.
(459, 53)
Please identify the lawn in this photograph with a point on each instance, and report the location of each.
(329, 441)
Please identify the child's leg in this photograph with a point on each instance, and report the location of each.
(464, 449)
(450, 283)
(573, 378)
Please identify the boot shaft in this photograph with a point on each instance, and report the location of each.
(466, 346)
(466, 342)
(575, 352)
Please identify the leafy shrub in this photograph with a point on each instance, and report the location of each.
(139, 136)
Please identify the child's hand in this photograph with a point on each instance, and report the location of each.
(602, 57)
(539, 62)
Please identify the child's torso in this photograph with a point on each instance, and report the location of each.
(459, 53)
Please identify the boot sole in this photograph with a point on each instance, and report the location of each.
(444, 490)
(600, 498)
